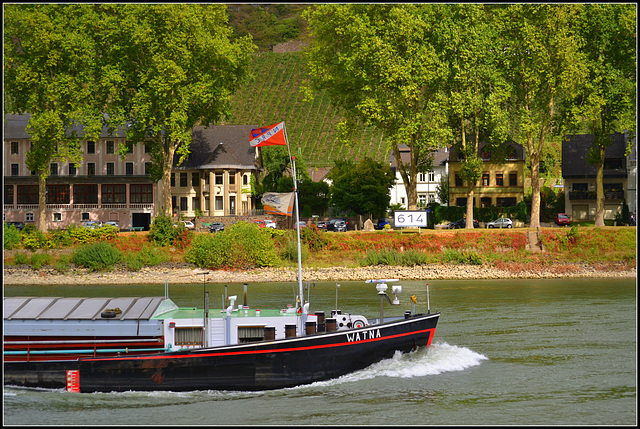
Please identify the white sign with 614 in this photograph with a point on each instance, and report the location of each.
(410, 218)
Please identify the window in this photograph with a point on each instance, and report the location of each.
(195, 180)
(72, 169)
(183, 180)
(91, 169)
(57, 217)
(114, 194)
(219, 179)
(580, 187)
(8, 194)
(232, 178)
(183, 204)
(85, 216)
(53, 169)
(15, 148)
(147, 168)
(513, 178)
(613, 164)
(612, 187)
(485, 202)
(486, 156)
(485, 178)
(421, 177)
(129, 147)
(248, 334)
(422, 200)
(91, 147)
(147, 149)
(499, 179)
(15, 169)
(174, 203)
(188, 336)
(195, 203)
(173, 180)
(432, 176)
(458, 180)
(85, 194)
(129, 168)
(141, 194)
(110, 169)
(28, 217)
(245, 179)
(58, 194)
(511, 154)
(27, 194)
(219, 203)
(461, 202)
(506, 202)
(111, 147)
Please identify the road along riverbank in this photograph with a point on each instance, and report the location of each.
(188, 275)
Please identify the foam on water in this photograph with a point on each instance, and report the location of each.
(432, 360)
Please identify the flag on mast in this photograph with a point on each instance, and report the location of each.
(278, 203)
(273, 135)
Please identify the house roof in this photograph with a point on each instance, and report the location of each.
(575, 150)
(440, 156)
(15, 127)
(220, 146)
(518, 149)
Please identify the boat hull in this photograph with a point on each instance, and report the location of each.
(259, 366)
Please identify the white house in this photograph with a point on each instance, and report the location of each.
(427, 182)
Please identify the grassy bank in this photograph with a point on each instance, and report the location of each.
(502, 249)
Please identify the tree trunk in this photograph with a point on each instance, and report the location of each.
(535, 189)
(469, 224)
(600, 193)
(42, 201)
(167, 167)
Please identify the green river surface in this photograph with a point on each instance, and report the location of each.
(505, 352)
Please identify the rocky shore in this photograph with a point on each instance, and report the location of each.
(188, 275)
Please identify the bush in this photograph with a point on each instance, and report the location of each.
(21, 258)
(461, 257)
(97, 256)
(242, 245)
(289, 250)
(12, 237)
(146, 256)
(39, 259)
(162, 231)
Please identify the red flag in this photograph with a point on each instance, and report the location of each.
(273, 135)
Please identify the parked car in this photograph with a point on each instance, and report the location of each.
(462, 223)
(268, 223)
(91, 224)
(332, 222)
(187, 224)
(216, 227)
(321, 225)
(301, 224)
(503, 222)
(260, 223)
(562, 219)
(112, 223)
(18, 225)
(380, 224)
(340, 226)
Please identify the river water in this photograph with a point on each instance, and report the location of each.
(505, 352)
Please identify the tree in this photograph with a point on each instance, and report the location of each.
(475, 89)
(166, 68)
(378, 64)
(362, 188)
(48, 58)
(606, 101)
(541, 62)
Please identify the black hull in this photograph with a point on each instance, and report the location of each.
(46, 374)
(259, 366)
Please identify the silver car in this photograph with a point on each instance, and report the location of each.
(503, 222)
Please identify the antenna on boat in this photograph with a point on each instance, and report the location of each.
(337, 286)
(428, 306)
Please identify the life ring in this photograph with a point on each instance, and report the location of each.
(359, 323)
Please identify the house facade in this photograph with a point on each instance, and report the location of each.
(427, 183)
(580, 177)
(501, 183)
(213, 181)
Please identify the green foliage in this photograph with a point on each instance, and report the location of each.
(21, 258)
(62, 264)
(147, 256)
(243, 245)
(315, 239)
(12, 236)
(289, 250)
(98, 256)
(39, 259)
(461, 256)
(392, 257)
(361, 187)
(162, 232)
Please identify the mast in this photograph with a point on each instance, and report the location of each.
(295, 191)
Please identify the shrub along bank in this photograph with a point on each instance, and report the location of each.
(245, 245)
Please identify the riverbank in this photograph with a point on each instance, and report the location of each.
(187, 275)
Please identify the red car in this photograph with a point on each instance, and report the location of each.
(562, 219)
(260, 223)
